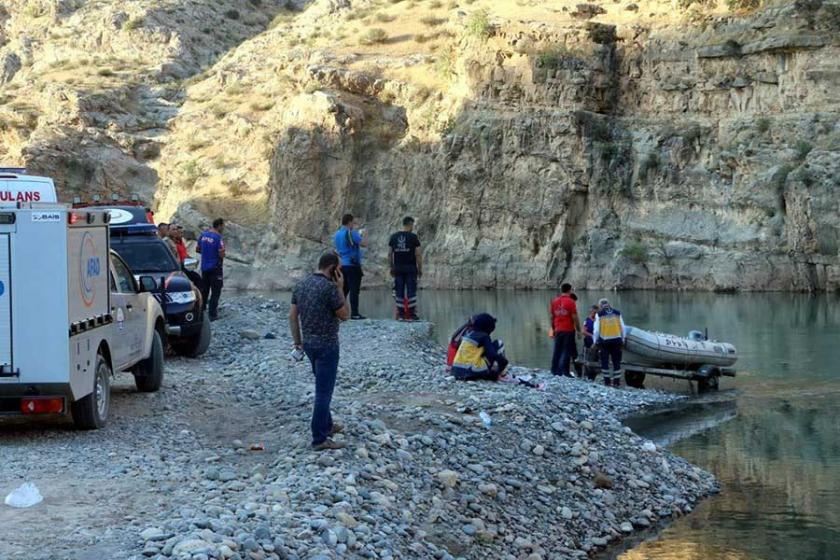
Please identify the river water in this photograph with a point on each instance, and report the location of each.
(770, 435)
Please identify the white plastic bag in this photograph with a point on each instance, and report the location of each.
(26, 495)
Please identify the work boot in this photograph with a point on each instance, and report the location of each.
(327, 445)
(336, 429)
(414, 317)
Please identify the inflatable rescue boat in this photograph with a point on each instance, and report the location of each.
(652, 349)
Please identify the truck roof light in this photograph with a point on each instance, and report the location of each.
(115, 197)
(97, 197)
(77, 200)
(135, 197)
(72, 218)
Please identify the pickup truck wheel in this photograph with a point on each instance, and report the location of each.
(148, 374)
(91, 412)
(196, 345)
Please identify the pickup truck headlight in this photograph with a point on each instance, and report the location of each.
(181, 297)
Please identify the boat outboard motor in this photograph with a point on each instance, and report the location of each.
(697, 336)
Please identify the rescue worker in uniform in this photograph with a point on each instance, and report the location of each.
(479, 356)
(609, 333)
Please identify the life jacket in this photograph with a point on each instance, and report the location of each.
(455, 343)
(609, 324)
(470, 356)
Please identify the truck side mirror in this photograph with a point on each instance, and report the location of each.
(147, 284)
(190, 263)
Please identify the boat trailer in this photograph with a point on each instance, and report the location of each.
(706, 376)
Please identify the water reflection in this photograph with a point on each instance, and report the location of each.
(779, 460)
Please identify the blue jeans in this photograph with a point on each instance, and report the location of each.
(324, 361)
(564, 349)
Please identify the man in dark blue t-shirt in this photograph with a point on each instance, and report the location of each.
(406, 266)
(212, 249)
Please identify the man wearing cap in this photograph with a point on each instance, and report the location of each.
(609, 335)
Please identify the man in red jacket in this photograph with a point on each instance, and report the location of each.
(565, 324)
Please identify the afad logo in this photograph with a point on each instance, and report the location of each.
(91, 268)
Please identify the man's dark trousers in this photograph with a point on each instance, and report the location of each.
(211, 289)
(324, 360)
(352, 285)
(405, 287)
(611, 351)
(564, 346)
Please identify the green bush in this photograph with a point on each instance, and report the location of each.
(478, 24)
(385, 18)
(762, 125)
(232, 14)
(802, 148)
(373, 36)
(635, 251)
(779, 178)
(650, 163)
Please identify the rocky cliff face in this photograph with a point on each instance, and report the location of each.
(616, 145)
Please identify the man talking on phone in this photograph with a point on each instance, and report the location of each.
(318, 307)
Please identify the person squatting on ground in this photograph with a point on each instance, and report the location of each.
(609, 334)
(318, 307)
(212, 249)
(406, 267)
(349, 243)
(564, 324)
(479, 356)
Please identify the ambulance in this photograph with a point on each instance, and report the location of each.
(71, 311)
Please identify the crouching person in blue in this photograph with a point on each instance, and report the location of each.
(479, 356)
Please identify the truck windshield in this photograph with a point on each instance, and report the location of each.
(146, 256)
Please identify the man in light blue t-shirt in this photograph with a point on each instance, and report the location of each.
(348, 243)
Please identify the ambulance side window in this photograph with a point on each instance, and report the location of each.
(125, 282)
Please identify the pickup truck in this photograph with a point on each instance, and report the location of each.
(71, 311)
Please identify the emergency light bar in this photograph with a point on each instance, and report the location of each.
(135, 229)
(13, 170)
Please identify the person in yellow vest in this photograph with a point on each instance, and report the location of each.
(479, 356)
(609, 335)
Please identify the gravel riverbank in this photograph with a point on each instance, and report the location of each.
(555, 475)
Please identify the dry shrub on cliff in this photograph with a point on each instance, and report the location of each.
(743, 5)
(432, 21)
(587, 11)
(385, 18)
(373, 36)
(190, 174)
(134, 23)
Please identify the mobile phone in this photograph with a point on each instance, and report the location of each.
(297, 355)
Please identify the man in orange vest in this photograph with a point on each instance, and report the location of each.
(609, 335)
